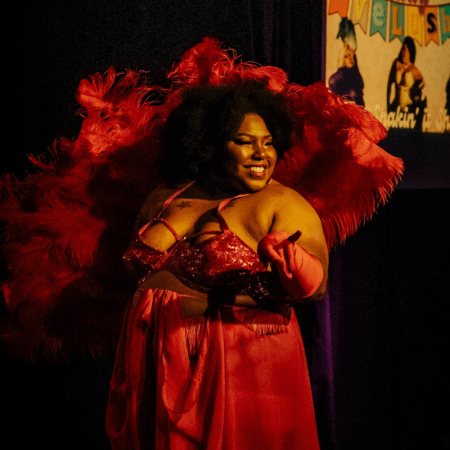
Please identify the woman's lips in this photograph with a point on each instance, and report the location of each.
(258, 171)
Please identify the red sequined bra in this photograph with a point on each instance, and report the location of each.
(222, 262)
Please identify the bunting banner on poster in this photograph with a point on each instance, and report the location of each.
(378, 24)
(393, 57)
(338, 6)
(359, 14)
(414, 23)
(445, 22)
(397, 22)
(431, 25)
(424, 24)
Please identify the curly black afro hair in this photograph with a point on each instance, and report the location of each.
(197, 131)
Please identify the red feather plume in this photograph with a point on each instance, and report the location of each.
(68, 225)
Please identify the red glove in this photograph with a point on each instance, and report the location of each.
(300, 272)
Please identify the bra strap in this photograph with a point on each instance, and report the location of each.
(222, 205)
(167, 224)
(163, 221)
(174, 195)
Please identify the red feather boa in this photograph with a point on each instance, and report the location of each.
(68, 225)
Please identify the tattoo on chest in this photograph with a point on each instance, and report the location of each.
(185, 204)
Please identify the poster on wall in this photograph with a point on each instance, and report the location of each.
(393, 58)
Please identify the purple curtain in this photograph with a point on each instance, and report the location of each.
(380, 336)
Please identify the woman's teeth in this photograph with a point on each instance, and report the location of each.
(257, 169)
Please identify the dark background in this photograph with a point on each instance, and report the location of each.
(377, 345)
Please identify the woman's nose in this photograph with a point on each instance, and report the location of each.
(259, 150)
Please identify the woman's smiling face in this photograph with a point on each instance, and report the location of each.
(249, 158)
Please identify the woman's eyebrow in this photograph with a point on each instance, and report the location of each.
(251, 135)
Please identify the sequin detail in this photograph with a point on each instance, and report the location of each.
(221, 261)
(222, 265)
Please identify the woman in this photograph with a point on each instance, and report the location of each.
(407, 79)
(347, 80)
(210, 354)
(228, 355)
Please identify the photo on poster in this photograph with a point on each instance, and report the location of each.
(393, 58)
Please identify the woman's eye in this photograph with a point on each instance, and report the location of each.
(242, 142)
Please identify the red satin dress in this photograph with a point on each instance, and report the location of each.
(236, 379)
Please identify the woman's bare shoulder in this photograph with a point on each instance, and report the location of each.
(283, 196)
(289, 207)
(153, 203)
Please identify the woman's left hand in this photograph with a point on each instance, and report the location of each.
(289, 249)
(300, 272)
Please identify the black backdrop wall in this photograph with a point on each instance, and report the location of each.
(378, 343)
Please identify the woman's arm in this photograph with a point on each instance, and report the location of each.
(293, 213)
(418, 78)
(150, 207)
